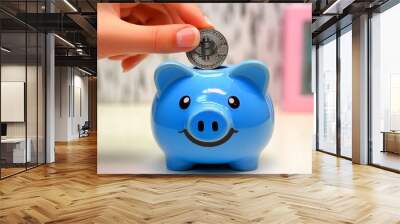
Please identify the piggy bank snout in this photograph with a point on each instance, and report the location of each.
(209, 125)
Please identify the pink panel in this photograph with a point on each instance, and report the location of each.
(293, 32)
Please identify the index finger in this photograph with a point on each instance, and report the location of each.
(190, 14)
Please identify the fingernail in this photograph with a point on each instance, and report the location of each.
(187, 37)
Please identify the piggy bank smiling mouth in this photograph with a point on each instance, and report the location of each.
(209, 144)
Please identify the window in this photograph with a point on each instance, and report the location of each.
(327, 96)
(385, 89)
(346, 75)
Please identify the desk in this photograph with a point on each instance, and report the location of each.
(15, 148)
(391, 141)
(131, 149)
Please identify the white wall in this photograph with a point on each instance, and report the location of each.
(12, 73)
(79, 117)
(70, 83)
(34, 125)
(62, 82)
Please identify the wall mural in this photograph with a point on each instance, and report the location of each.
(170, 137)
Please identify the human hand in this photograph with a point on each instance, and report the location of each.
(129, 31)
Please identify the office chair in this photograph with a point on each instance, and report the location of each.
(84, 130)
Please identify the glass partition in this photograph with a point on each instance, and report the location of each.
(14, 153)
(41, 96)
(33, 72)
(31, 100)
(22, 77)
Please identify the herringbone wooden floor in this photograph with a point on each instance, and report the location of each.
(70, 191)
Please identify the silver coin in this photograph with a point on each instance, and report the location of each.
(211, 52)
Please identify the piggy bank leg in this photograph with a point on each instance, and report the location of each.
(245, 164)
(178, 164)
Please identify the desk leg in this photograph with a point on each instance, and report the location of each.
(384, 142)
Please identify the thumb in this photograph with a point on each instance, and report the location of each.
(140, 39)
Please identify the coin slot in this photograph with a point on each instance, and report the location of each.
(219, 67)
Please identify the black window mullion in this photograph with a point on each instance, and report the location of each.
(317, 96)
(26, 87)
(338, 100)
(0, 96)
(369, 95)
(37, 90)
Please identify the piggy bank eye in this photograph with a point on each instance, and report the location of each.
(184, 102)
(233, 101)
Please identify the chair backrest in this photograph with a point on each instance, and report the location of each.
(86, 124)
(3, 129)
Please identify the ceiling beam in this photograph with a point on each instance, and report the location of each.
(337, 7)
(77, 61)
(83, 23)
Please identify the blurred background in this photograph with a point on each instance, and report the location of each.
(253, 31)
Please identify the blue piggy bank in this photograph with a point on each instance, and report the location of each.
(219, 116)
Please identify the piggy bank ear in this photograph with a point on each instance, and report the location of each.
(169, 72)
(255, 72)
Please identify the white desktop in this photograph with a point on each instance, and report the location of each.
(18, 144)
(19, 155)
